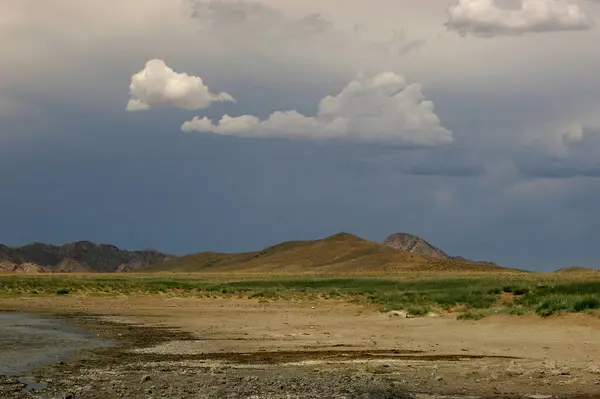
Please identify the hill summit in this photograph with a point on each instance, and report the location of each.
(81, 256)
(413, 244)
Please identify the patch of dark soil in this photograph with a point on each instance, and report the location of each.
(126, 335)
(281, 357)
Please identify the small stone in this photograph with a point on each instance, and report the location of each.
(594, 369)
(399, 313)
(531, 373)
(559, 372)
(515, 369)
(549, 364)
(145, 378)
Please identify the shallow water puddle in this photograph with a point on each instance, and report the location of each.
(31, 384)
(28, 341)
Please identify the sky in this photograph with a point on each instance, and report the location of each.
(200, 125)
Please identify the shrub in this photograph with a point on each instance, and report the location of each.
(520, 291)
(551, 306)
(471, 316)
(418, 311)
(588, 303)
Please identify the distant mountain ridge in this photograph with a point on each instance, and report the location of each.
(339, 253)
(81, 256)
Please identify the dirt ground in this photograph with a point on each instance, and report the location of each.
(240, 348)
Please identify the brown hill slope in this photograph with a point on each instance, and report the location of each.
(82, 256)
(338, 253)
(577, 269)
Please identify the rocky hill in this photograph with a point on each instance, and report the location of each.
(82, 256)
(416, 245)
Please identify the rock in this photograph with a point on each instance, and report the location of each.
(399, 313)
(531, 373)
(515, 369)
(145, 378)
(594, 369)
(549, 365)
(558, 372)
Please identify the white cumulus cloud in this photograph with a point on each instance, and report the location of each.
(157, 85)
(383, 108)
(486, 18)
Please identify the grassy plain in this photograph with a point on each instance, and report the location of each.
(470, 295)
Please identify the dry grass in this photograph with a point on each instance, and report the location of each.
(473, 294)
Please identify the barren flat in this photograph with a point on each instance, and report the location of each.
(239, 347)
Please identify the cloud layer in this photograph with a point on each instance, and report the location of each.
(486, 18)
(157, 85)
(379, 109)
(576, 155)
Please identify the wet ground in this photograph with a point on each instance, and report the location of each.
(28, 342)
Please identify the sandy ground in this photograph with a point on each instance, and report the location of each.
(246, 348)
